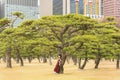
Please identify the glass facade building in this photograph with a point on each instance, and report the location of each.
(67, 7)
(93, 8)
(57, 7)
(73, 7)
(61, 7)
(29, 8)
(2, 9)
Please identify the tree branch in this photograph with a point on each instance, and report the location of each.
(57, 46)
(56, 35)
(75, 30)
(64, 30)
(79, 46)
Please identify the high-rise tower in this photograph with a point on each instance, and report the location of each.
(61, 7)
(67, 7)
(2, 9)
(29, 8)
(46, 8)
(112, 8)
(93, 8)
(80, 6)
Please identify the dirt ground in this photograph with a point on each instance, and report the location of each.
(41, 71)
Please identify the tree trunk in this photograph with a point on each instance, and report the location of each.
(17, 60)
(97, 61)
(79, 63)
(85, 61)
(4, 59)
(8, 57)
(74, 58)
(30, 58)
(44, 59)
(112, 59)
(118, 61)
(68, 59)
(62, 63)
(18, 57)
(38, 57)
(50, 61)
(21, 60)
(84, 64)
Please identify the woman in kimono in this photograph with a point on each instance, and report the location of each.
(57, 67)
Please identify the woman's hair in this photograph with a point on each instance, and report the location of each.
(60, 56)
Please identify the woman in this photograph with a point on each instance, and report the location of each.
(57, 67)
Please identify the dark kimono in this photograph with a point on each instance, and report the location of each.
(57, 67)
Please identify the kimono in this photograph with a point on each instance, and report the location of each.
(57, 67)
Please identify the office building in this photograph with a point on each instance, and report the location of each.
(30, 8)
(61, 7)
(2, 9)
(67, 7)
(93, 8)
(73, 6)
(112, 8)
(46, 8)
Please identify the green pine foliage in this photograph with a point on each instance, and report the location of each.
(72, 34)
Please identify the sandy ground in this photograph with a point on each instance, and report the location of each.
(40, 71)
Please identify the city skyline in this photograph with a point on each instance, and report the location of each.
(34, 9)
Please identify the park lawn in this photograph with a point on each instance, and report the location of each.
(41, 71)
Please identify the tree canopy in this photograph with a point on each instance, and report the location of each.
(68, 35)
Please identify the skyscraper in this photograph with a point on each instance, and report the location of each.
(67, 7)
(112, 8)
(29, 8)
(46, 8)
(80, 6)
(61, 7)
(2, 9)
(57, 7)
(93, 8)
